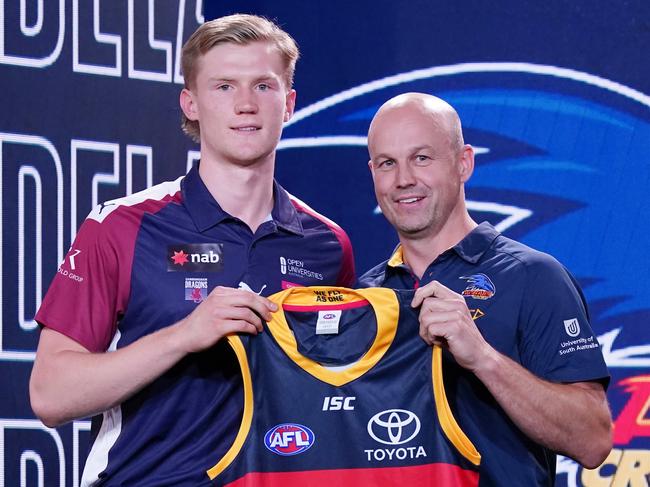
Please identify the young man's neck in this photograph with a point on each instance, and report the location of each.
(419, 252)
(245, 192)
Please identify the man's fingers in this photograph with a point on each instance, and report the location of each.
(433, 305)
(432, 334)
(439, 317)
(238, 297)
(242, 313)
(240, 326)
(433, 289)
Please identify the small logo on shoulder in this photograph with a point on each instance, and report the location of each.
(572, 327)
(206, 257)
(289, 439)
(480, 286)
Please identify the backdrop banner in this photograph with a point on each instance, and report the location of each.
(554, 96)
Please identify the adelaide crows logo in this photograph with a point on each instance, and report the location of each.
(480, 286)
(562, 165)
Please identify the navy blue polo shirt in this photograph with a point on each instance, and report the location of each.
(144, 262)
(528, 307)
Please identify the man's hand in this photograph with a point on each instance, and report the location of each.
(572, 419)
(224, 311)
(445, 320)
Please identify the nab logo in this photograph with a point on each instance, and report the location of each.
(195, 257)
(289, 439)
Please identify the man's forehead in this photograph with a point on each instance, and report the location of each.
(254, 56)
(408, 118)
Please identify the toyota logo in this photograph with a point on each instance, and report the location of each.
(394, 426)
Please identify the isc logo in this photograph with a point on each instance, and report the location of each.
(336, 403)
(289, 439)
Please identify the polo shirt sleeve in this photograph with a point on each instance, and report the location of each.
(555, 336)
(87, 295)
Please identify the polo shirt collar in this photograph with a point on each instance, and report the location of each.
(470, 249)
(476, 243)
(206, 212)
(284, 213)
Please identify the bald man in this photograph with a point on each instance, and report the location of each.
(525, 374)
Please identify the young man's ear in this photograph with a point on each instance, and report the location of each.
(289, 105)
(189, 107)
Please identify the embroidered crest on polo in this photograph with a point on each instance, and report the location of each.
(479, 286)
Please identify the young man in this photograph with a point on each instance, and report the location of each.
(504, 312)
(135, 338)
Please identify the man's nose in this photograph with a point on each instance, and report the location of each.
(246, 102)
(405, 175)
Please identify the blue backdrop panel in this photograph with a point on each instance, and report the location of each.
(555, 97)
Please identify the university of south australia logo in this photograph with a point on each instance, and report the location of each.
(572, 327)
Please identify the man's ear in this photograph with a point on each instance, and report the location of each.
(290, 105)
(189, 107)
(466, 163)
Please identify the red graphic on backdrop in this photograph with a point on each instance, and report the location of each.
(634, 419)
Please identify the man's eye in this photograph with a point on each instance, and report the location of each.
(385, 164)
(223, 87)
(262, 87)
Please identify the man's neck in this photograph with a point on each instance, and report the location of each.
(419, 252)
(245, 192)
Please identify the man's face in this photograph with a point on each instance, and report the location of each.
(416, 170)
(240, 99)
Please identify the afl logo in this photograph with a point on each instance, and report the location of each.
(394, 426)
(289, 439)
(329, 316)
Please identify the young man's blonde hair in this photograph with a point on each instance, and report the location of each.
(238, 29)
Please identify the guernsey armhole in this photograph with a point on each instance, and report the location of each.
(447, 421)
(247, 418)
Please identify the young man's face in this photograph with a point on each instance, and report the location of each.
(240, 100)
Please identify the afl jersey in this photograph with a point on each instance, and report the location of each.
(341, 390)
